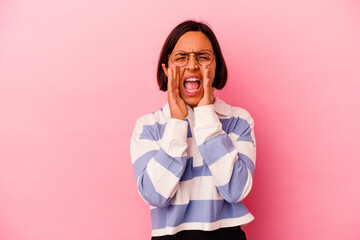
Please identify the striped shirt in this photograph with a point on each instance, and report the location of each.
(194, 173)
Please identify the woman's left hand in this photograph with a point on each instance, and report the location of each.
(208, 97)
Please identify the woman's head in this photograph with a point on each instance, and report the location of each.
(190, 37)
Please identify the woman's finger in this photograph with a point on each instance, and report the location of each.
(207, 87)
(170, 83)
(176, 81)
(176, 77)
(210, 83)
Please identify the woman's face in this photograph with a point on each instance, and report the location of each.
(193, 42)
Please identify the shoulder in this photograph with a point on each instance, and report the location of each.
(159, 116)
(238, 112)
(151, 126)
(225, 110)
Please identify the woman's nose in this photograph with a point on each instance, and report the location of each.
(192, 64)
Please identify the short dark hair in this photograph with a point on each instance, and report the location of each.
(187, 26)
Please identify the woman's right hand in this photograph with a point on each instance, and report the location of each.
(177, 105)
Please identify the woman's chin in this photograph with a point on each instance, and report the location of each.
(192, 102)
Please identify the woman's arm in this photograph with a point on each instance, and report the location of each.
(158, 153)
(229, 155)
(159, 160)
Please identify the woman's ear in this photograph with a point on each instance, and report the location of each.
(164, 68)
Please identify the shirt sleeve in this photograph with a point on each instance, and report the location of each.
(229, 155)
(158, 154)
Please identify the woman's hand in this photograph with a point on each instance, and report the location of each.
(208, 97)
(177, 105)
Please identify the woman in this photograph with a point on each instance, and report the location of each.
(194, 158)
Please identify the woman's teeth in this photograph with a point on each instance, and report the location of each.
(192, 84)
(192, 79)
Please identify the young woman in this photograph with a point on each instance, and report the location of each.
(194, 159)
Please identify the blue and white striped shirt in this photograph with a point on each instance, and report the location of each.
(195, 173)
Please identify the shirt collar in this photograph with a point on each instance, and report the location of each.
(220, 107)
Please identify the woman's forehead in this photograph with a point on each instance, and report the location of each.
(193, 41)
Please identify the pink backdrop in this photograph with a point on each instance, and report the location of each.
(75, 75)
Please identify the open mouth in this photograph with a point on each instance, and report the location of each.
(192, 86)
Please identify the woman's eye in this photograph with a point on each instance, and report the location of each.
(180, 58)
(203, 57)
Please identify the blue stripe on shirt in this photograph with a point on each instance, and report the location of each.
(189, 135)
(196, 211)
(189, 173)
(239, 126)
(153, 132)
(156, 131)
(233, 190)
(215, 148)
(174, 165)
(250, 164)
(140, 164)
(148, 192)
(192, 172)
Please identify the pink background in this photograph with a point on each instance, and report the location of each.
(75, 75)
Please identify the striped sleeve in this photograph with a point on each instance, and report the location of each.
(230, 155)
(158, 154)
